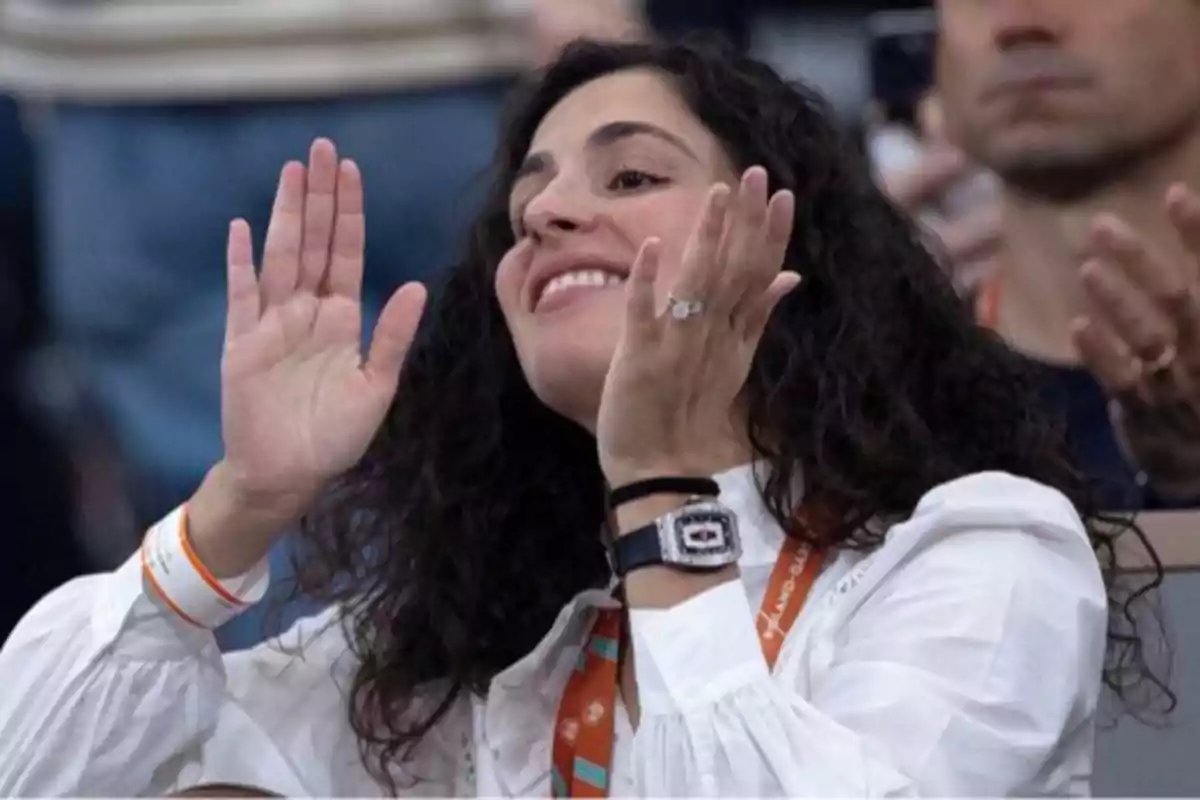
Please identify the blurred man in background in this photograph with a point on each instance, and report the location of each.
(1089, 114)
(161, 121)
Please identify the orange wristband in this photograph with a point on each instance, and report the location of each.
(175, 575)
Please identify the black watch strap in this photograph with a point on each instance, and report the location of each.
(636, 549)
(669, 484)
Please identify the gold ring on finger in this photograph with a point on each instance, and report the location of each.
(1160, 363)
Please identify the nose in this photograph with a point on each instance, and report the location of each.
(560, 208)
(1020, 23)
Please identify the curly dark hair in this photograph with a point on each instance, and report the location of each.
(475, 515)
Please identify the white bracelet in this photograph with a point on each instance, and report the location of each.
(175, 575)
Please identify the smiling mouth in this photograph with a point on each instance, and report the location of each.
(583, 279)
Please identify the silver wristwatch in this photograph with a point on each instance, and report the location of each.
(701, 536)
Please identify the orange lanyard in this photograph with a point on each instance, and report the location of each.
(584, 729)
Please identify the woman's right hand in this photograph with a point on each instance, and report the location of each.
(299, 403)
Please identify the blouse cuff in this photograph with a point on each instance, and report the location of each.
(696, 653)
(177, 578)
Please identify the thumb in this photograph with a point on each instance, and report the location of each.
(394, 333)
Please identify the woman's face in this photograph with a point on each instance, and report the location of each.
(618, 160)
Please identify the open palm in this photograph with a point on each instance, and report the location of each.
(299, 402)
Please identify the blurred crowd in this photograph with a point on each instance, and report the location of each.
(131, 133)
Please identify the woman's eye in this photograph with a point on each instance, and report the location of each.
(628, 179)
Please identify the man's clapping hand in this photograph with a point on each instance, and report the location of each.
(1141, 339)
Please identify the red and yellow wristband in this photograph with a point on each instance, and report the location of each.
(174, 574)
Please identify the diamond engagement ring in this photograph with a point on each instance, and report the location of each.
(682, 309)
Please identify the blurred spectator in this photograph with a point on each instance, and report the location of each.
(1087, 113)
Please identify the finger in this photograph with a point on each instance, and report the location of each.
(394, 333)
(345, 274)
(700, 255)
(754, 320)
(737, 255)
(1183, 209)
(685, 335)
(1163, 282)
(911, 189)
(319, 210)
(281, 252)
(640, 317)
(931, 118)
(1106, 356)
(245, 305)
(775, 236)
(1126, 309)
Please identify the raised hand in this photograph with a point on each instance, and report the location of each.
(668, 405)
(299, 402)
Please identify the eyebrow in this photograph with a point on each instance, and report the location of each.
(606, 136)
(614, 132)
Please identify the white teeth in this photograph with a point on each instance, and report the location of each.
(584, 277)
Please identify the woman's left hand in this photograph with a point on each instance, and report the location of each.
(668, 406)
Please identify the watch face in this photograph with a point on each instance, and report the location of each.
(701, 536)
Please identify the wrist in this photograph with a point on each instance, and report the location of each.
(659, 563)
(619, 474)
(1163, 455)
(663, 587)
(1173, 486)
(645, 510)
(231, 528)
(637, 512)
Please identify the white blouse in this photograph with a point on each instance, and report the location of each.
(962, 657)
